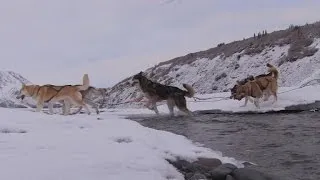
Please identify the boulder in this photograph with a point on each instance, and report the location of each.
(209, 162)
(221, 172)
(251, 174)
(197, 176)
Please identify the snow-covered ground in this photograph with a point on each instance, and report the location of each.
(55, 147)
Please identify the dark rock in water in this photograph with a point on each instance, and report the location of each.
(229, 178)
(196, 176)
(196, 167)
(188, 167)
(209, 162)
(202, 166)
(251, 174)
(247, 164)
(181, 165)
(222, 171)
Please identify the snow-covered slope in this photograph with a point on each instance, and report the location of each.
(294, 51)
(10, 84)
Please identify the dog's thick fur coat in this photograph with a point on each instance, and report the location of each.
(70, 94)
(257, 87)
(156, 92)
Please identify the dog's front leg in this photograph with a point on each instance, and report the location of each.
(155, 108)
(50, 106)
(256, 103)
(266, 95)
(147, 105)
(39, 106)
(66, 108)
(245, 102)
(170, 104)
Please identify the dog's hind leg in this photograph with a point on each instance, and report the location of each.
(77, 98)
(152, 105)
(273, 91)
(97, 110)
(181, 103)
(275, 97)
(155, 108)
(170, 104)
(92, 104)
(66, 107)
(87, 109)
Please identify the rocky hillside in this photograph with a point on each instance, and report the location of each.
(295, 51)
(10, 84)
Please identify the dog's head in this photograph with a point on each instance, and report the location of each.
(237, 91)
(136, 79)
(269, 65)
(239, 96)
(233, 91)
(26, 90)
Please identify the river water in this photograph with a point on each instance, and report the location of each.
(287, 145)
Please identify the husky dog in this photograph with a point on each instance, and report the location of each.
(89, 96)
(156, 92)
(70, 94)
(257, 87)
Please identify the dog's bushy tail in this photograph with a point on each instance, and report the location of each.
(190, 91)
(273, 70)
(86, 83)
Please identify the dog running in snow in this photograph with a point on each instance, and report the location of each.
(69, 94)
(257, 87)
(156, 92)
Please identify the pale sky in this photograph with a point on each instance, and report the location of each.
(57, 41)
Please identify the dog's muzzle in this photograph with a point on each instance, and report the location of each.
(21, 97)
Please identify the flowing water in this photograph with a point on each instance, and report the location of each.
(287, 145)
